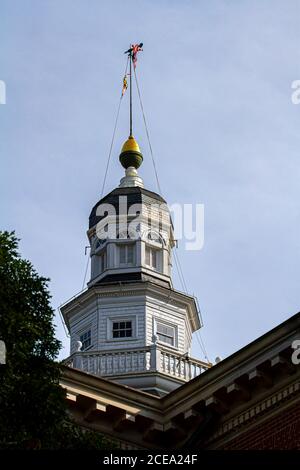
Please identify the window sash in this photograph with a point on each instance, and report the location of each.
(126, 254)
(122, 329)
(122, 254)
(151, 257)
(130, 254)
(102, 261)
(86, 339)
(166, 333)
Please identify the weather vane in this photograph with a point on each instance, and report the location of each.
(132, 57)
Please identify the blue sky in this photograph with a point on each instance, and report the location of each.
(216, 82)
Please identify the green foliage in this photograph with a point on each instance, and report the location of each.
(32, 404)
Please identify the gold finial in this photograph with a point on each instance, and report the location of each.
(130, 145)
(131, 154)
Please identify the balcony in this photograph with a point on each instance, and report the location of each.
(154, 358)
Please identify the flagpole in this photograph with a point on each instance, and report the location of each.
(130, 89)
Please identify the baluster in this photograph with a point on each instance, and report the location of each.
(184, 369)
(143, 357)
(130, 362)
(125, 361)
(148, 355)
(190, 370)
(169, 364)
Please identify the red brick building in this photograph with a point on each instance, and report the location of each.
(250, 400)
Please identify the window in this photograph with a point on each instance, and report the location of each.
(102, 261)
(126, 254)
(152, 257)
(166, 334)
(86, 339)
(122, 329)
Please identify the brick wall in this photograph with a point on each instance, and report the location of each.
(280, 432)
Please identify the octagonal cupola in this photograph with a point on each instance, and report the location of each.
(130, 230)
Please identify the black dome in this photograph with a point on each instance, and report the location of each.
(135, 195)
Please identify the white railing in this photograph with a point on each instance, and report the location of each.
(147, 359)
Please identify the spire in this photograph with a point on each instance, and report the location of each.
(130, 154)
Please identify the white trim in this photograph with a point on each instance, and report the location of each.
(169, 324)
(118, 318)
(82, 331)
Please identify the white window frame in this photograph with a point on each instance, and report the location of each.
(128, 327)
(126, 262)
(121, 318)
(81, 334)
(158, 250)
(102, 260)
(169, 325)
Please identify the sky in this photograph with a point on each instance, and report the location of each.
(216, 79)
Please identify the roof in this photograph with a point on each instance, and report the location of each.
(245, 389)
(135, 195)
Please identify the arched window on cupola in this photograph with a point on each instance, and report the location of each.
(154, 245)
(98, 255)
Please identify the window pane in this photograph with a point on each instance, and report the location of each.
(164, 329)
(148, 255)
(154, 258)
(123, 255)
(130, 253)
(86, 340)
(166, 333)
(166, 339)
(122, 329)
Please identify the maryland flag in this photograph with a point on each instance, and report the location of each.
(135, 48)
(125, 85)
(133, 51)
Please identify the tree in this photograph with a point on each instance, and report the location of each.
(32, 403)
